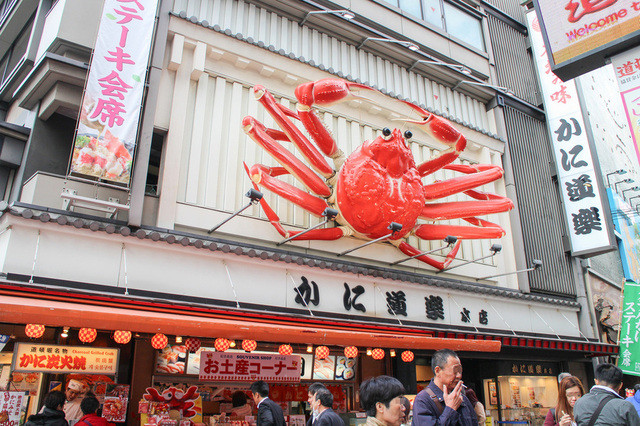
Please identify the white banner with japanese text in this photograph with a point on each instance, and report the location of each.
(581, 195)
(249, 367)
(110, 112)
(627, 67)
(11, 407)
(34, 357)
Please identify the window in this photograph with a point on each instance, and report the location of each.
(457, 22)
(16, 52)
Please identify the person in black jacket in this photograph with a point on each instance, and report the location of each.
(326, 416)
(52, 414)
(269, 413)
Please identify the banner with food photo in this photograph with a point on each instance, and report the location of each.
(111, 104)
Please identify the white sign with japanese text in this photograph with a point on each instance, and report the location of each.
(10, 407)
(581, 195)
(34, 357)
(249, 367)
(111, 104)
(627, 67)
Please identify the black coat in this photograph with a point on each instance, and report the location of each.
(48, 417)
(269, 414)
(329, 418)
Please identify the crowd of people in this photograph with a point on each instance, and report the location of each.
(444, 402)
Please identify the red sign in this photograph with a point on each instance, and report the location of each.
(244, 367)
(65, 359)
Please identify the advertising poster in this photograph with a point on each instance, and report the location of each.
(172, 360)
(627, 68)
(111, 104)
(323, 369)
(628, 225)
(12, 407)
(345, 368)
(629, 361)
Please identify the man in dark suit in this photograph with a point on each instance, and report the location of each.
(313, 388)
(326, 416)
(269, 413)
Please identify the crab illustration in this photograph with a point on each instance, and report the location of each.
(379, 183)
(176, 399)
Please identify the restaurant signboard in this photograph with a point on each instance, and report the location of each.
(35, 357)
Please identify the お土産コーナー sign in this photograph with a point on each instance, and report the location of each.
(29, 357)
(247, 367)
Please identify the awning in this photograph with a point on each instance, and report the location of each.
(14, 309)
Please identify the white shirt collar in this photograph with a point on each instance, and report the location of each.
(606, 388)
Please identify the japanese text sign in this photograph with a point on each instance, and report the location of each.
(29, 357)
(627, 68)
(247, 367)
(586, 218)
(11, 405)
(581, 33)
(630, 330)
(111, 103)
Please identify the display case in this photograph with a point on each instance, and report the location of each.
(520, 399)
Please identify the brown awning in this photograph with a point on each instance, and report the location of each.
(15, 309)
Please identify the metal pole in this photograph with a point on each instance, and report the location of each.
(365, 244)
(229, 218)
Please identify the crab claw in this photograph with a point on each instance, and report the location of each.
(442, 131)
(326, 92)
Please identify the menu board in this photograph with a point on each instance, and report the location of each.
(12, 407)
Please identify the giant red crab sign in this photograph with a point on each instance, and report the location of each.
(176, 399)
(378, 183)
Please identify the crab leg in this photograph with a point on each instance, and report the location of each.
(316, 234)
(442, 131)
(263, 137)
(480, 174)
(323, 92)
(482, 229)
(410, 250)
(281, 115)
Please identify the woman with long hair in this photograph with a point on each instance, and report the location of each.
(570, 391)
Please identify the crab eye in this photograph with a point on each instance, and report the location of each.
(386, 132)
(408, 135)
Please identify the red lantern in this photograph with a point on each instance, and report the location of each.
(159, 341)
(221, 344)
(192, 344)
(249, 345)
(87, 335)
(322, 352)
(351, 352)
(377, 353)
(285, 350)
(407, 356)
(122, 337)
(34, 331)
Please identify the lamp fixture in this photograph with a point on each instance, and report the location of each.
(393, 226)
(232, 343)
(254, 196)
(328, 213)
(615, 172)
(178, 339)
(409, 45)
(369, 350)
(65, 332)
(536, 265)
(449, 239)
(392, 352)
(343, 13)
(635, 188)
(459, 68)
(495, 249)
(627, 180)
(310, 348)
(482, 84)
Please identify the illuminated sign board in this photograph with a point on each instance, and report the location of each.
(581, 35)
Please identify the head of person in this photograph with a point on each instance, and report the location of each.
(323, 398)
(54, 400)
(636, 388)
(471, 395)
(447, 369)
(238, 399)
(407, 409)
(562, 376)
(311, 394)
(570, 391)
(74, 388)
(259, 391)
(609, 375)
(380, 397)
(89, 404)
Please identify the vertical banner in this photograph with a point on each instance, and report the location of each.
(629, 361)
(627, 224)
(627, 67)
(581, 195)
(110, 111)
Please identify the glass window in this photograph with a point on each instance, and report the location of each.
(393, 2)
(432, 12)
(412, 7)
(464, 26)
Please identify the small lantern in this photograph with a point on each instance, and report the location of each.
(351, 352)
(221, 344)
(87, 335)
(122, 337)
(407, 356)
(249, 345)
(34, 331)
(377, 353)
(285, 350)
(159, 341)
(322, 352)
(193, 344)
